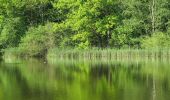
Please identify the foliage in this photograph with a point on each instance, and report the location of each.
(38, 40)
(83, 24)
(11, 33)
(157, 40)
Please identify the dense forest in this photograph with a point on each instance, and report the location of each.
(35, 26)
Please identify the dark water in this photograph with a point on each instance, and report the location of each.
(62, 80)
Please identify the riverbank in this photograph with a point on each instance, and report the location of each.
(119, 54)
(110, 53)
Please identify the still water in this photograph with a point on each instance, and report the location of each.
(84, 80)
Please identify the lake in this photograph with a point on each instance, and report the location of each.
(84, 80)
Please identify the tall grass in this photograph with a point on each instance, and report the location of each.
(13, 53)
(133, 54)
(96, 54)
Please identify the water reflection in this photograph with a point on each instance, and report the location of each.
(35, 80)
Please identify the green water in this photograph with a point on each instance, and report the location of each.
(83, 80)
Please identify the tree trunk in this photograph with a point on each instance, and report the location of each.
(153, 15)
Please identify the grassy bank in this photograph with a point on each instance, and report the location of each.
(105, 54)
(110, 54)
(21, 53)
(11, 53)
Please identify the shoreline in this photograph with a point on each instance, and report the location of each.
(97, 54)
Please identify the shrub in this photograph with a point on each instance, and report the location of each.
(38, 40)
(157, 40)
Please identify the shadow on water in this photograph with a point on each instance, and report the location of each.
(36, 80)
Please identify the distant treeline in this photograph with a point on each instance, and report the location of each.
(32, 27)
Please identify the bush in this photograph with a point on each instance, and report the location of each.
(38, 40)
(157, 40)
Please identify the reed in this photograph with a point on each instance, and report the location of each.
(13, 53)
(144, 54)
(96, 54)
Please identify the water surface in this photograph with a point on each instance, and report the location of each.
(84, 80)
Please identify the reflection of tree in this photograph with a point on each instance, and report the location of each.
(25, 81)
(11, 79)
(128, 77)
(101, 81)
(154, 90)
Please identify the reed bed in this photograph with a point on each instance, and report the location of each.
(133, 54)
(102, 54)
